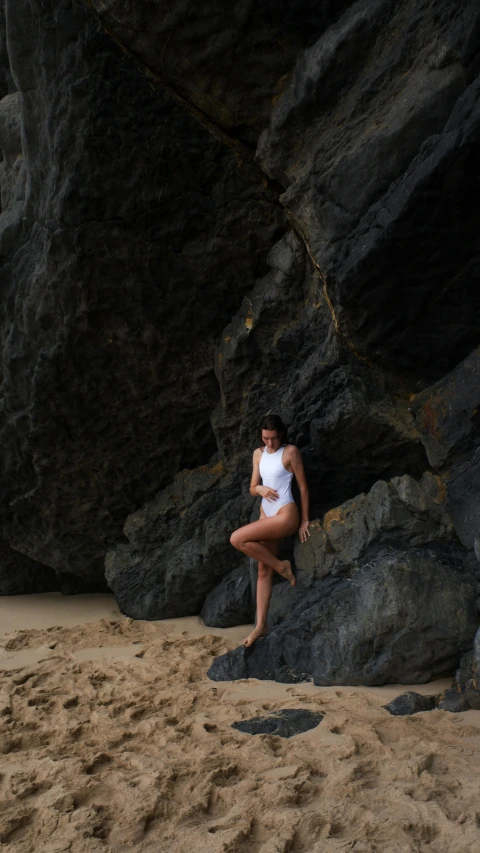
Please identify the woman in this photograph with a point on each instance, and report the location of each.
(275, 463)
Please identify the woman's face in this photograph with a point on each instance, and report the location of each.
(270, 439)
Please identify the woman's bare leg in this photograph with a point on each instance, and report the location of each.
(264, 593)
(250, 539)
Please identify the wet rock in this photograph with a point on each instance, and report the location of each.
(410, 615)
(410, 703)
(285, 723)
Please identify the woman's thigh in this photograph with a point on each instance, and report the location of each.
(275, 527)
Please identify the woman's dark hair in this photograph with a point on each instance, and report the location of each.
(273, 422)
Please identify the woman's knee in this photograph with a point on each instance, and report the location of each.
(236, 539)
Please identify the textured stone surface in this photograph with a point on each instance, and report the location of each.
(467, 678)
(285, 723)
(231, 602)
(280, 352)
(19, 575)
(410, 703)
(403, 512)
(128, 267)
(179, 546)
(375, 140)
(453, 700)
(230, 60)
(447, 413)
(403, 616)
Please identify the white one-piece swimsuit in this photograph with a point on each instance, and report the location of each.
(275, 476)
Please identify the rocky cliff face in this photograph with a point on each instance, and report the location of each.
(209, 213)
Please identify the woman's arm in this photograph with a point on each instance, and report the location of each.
(255, 488)
(296, 461)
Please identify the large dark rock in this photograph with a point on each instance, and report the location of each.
(448, 421)
(376, 141)
(403, 512)
(227, 60)
(402, 617)
(125, 267)
(179, 546)
(280, 352)
(19, 575)
(231, 602)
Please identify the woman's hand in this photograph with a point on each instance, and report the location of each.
(303, 531)
(268, 493)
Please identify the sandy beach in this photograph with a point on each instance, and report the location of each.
(113, 739)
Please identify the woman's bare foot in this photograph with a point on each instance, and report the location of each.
(257, 632)
(287, 573)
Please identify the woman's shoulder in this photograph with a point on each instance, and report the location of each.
(291, 450)
(257, 453)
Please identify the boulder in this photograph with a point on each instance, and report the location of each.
(404, 616)
(403, 512)
(178, 545)
(410, 703)
(231, 602)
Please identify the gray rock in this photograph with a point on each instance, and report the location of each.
(410, 703)
(472, 684)
(453, 700)
(464, 497)
(127, 268)
(19, 575)
(376, 160)
(162, 287)
(231, 602)
(285, 723)
(255, 48)
(404, 512)
(446, 413)
(179, 545)
(404, 616)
